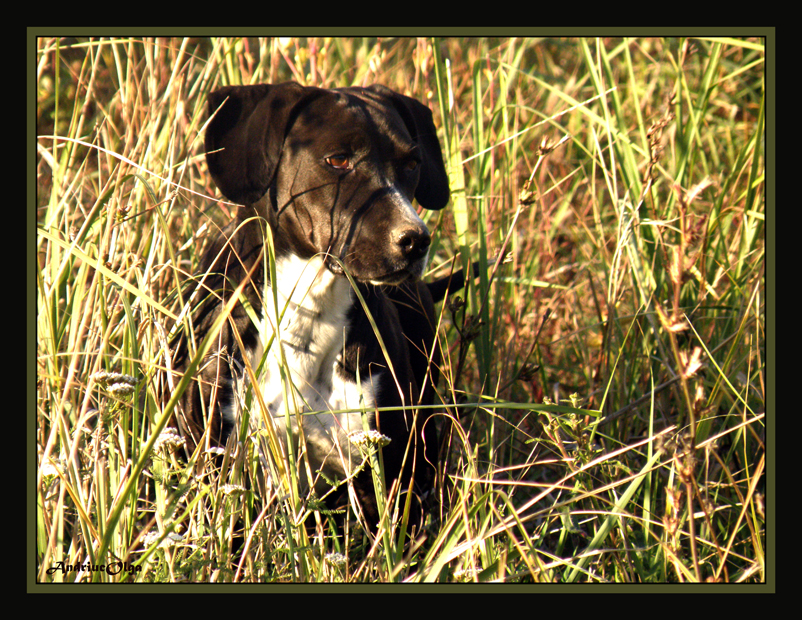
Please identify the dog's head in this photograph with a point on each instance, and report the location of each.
(333, 171)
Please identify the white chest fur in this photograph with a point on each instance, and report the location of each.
(304, 332)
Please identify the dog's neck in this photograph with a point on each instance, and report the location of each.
(305, 323)
(307, 309)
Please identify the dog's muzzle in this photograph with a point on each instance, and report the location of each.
(406, 258)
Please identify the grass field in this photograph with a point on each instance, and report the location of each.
(606, 384)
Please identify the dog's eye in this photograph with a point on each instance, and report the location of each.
(411, 165)
(340, 162)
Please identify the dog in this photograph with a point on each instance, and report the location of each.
(328, 252)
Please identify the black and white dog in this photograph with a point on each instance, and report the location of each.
(332, 174)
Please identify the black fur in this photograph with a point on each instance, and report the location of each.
(278, 150)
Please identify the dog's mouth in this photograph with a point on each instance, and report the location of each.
(388, 278)
(394, 279)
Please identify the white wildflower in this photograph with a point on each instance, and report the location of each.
(113, 378)
(363, 439)
(169, 541)
(169, 438)
(231, 489)
(336, 559)
(121, 389)
(52, 468)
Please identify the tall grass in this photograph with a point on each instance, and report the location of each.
(604, 384)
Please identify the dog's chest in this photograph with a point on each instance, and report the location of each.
(304, 330)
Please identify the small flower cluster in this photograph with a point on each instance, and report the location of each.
(465, 574)
(170, 540)
(363, 439)
(232, 489)
(52, 467)
(116, 383)
(169, 438)
(336, 559)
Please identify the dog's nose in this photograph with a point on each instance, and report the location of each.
(414, 242)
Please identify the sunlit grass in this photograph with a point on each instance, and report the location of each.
(605, 383)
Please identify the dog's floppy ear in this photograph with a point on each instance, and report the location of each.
(432, 192)
(246, 134)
